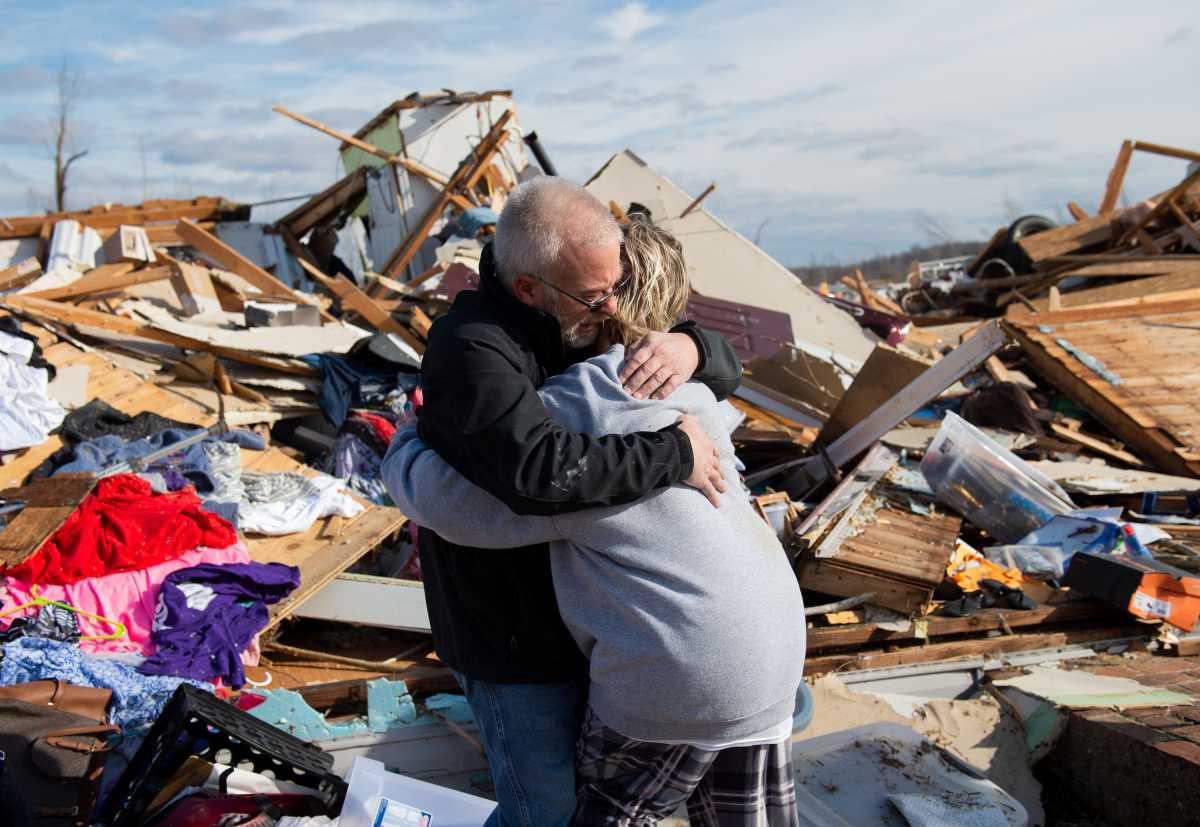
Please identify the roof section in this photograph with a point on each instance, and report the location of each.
(417, 101)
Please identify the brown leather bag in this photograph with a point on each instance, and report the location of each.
(85, 701)
(53, 760)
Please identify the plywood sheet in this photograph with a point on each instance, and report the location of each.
(1148, 394)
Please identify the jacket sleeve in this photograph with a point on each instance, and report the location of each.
(433, 494)
(485, 418)
(720, 368)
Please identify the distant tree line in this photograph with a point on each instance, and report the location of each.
(891, 267)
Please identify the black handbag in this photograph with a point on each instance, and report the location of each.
(52, 763)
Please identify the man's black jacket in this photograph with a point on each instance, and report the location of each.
(493, 611)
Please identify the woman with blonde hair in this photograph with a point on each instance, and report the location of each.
(690, 616)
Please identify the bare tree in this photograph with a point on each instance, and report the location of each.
(70, 92)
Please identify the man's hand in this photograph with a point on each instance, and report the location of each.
(659, 363)
(706, 474)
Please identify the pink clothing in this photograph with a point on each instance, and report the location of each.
(129, 597)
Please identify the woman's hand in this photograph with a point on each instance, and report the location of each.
(658, 363)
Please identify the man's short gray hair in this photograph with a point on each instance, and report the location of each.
(541, 216)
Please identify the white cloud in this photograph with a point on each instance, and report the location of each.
(631, 20)
(839, 122)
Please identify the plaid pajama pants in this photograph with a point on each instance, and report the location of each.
(628, 783)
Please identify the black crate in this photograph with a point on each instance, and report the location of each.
(195, 723)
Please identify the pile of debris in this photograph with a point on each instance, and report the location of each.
(958, 493)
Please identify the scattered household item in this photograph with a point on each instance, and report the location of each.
(990, 486)
(874, 774)
(378, 797)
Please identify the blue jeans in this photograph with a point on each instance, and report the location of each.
(529, 731)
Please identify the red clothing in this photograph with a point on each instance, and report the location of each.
(121, 526)
(383, 427)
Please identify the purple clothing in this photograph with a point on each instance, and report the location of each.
(208, 614)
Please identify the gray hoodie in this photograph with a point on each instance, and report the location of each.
(690, 615)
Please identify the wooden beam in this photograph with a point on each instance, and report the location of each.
(121, 276)
(348, 190)
(1169, 151)
(480, 156)
(414, 167)
(1077, 212)
(1116, 179)
(71, 315)
(113, 215)
(351, 298)
(699, 198)
(1096, 444)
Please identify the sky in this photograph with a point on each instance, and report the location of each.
(833, 130)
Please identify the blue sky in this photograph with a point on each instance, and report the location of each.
(853, 127)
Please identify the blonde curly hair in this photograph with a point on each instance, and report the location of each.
(657, 293)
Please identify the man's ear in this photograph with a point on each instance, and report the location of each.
(526, 290)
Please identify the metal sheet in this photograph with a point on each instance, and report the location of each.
(753, 331)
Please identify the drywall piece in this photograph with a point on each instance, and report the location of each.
(266, 249)
(69, 387)
(367, 600)
(275, 341)
(854, 777)
(13, 250)
(1080, 689)
(725, 265)
(979, 732)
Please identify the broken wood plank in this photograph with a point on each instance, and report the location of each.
(352, 298)
(414, 167)
(882, 376)
(343, 195)
(987, 620)
(988, 647)
(20, 274)
(1160, 207)
(1116, 179)
(1095, 444)
(1169, 151)
(699, 199)
(105, 279)
(109, 216)
(230, 259)
(48, 502)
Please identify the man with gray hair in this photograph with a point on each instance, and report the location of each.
(547, 284)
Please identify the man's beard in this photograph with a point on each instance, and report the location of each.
(575, 338)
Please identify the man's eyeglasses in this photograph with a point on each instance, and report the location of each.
(594, 304)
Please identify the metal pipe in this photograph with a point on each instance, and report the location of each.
(539, 152)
